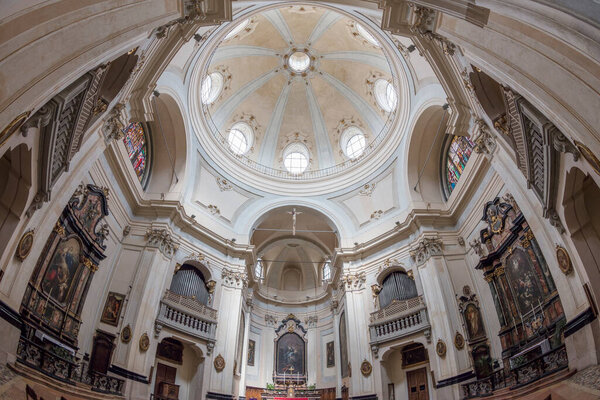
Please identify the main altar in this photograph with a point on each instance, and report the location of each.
(289, 375)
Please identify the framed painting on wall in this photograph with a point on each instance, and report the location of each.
(330, 355)
(251, 351)
(112, 308)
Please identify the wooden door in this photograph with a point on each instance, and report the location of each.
(417, 384)
(102, 352)
(164, 373)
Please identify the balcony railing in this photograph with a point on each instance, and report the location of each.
(62, 369)
(187, 315)
(540, 367)
(399, 319)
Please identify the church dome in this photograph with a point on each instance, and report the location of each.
(314, 89)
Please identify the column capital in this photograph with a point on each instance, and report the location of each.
(424, 248)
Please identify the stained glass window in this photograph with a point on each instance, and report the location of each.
(137, 149)
(459, 152)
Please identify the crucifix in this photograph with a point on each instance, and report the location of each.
(294, 215)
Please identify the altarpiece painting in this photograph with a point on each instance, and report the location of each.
(60, 281)
(290, 351)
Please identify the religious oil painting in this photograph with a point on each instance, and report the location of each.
(330, 355)
(524, 281)
(482, 361)
(251, 351)
(112, 308)
(474, 322)
(61, 270)
(290, 355)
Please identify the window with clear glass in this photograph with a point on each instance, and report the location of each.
(353, 142)
(211, 88)
(459, 152)
(237, 29)
(240, 138)
(137, 149)
(366, 35)
(385, 95)
(326, 272)
(295, 158)
(258, 270)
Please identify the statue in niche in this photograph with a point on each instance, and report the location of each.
(524, 281)
(61, 270)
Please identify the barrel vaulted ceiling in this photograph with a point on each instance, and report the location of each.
(313, 106)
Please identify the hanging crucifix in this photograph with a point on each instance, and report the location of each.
(294, 215)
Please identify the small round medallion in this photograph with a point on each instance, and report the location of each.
(144, 342)
(366, 368)
(219, 363)
(440, 348)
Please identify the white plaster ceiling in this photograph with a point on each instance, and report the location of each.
(311, 107)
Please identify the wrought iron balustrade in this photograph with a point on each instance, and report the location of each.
(398, 319)
(187, 315)
(68, 371)
(540, 367)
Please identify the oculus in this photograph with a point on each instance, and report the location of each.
(385, 95)
(211, 88)
(299, 61)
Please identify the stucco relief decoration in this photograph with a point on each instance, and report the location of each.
(214, 210)
(253, 123)
(485, 142)
(354, 281)
(377, 214)
(115, 123)
(270, 320)
(344, 124)
(426, 248)
(227, 76)
(296, 137)
(370, 80)
(219, 363)
(249, 27)
(302, 9)
(234, 279)
(162, 239)
(477, 247)
(311, 321)
(367, 189)
(224, 184)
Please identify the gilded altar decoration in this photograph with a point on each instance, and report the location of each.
(144, 342)
(589, 156)
(219, 363)
(14, 126)
(366, 368)
(564, 261)
(126, 334)
(58, 287)
(112, 308)
(459, 341)
(25, 245)
(440, 348)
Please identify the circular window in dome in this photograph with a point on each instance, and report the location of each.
(237, 29)
(295, 158)
(299, 61)
(240, 138)
(353, 142)
(366, 35)
(212, 86)
(385, 95)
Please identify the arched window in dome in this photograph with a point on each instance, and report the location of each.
(189, 282)
(296, 158)
(237, 29)
(240, 138)
(366, 35)
(136, 143)
(457, 154)
(353, 142)
(397, 286)
(259, 270)
(385, 95)
(211, 88)
(326, 272)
